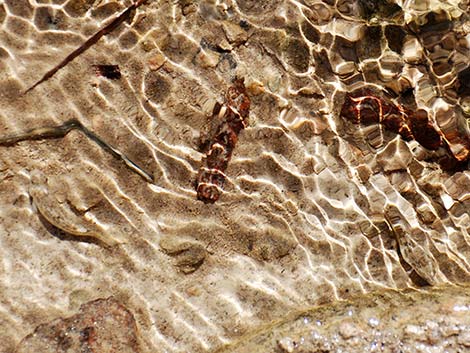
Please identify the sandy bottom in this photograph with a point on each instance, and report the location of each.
(315, 208)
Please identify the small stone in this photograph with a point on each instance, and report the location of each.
(286, 344)
(148, 45)
(425, 213)
(412, 50)
(348, 329)
(465, 105)
(255, 88)
(189, 254)
(207, 59)
(345, 69)
(414, 332)
(102, 325)
(224, 45)
(156, 61)
(319, 165)
(416, 168)
(363, 172)
(310, 92)
(193, 291)
(456, 186)
(189, 9)
(235, 34)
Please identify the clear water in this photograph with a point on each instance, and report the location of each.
(315, 208)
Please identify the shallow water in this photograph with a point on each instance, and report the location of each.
(315, 207)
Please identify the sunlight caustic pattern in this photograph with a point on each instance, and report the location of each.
(350, 176)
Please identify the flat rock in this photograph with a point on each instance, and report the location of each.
(102, 325)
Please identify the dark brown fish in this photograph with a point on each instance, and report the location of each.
(363, 106)
(233, 116)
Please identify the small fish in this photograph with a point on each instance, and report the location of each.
(363, 106)
(233, 115)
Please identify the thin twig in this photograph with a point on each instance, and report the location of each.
(123, 16)
(62, 130)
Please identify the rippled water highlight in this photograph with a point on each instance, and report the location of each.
(315, 207)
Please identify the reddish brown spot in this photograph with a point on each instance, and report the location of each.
(362, 106)
(111, 72)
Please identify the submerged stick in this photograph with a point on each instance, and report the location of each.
(62, 130)
(123, 16)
